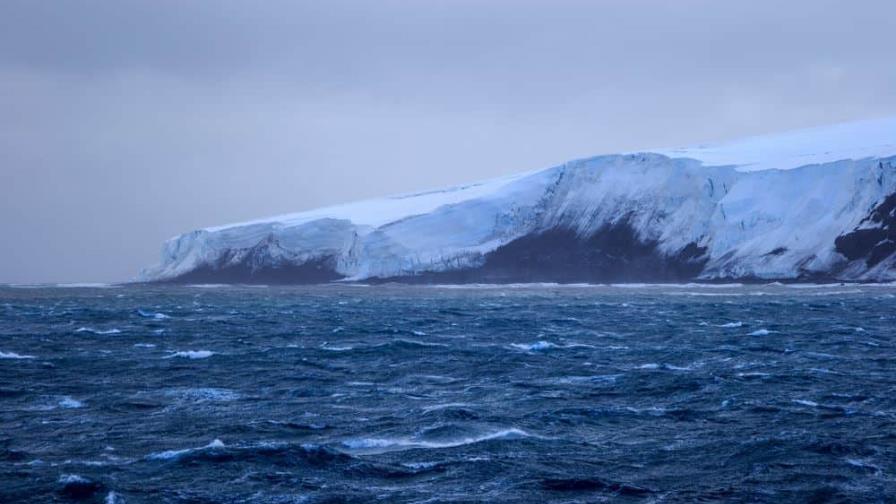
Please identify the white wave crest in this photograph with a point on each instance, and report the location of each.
(98, 331)
(535, 347)
(542, 345)
(66, 479)
(69, 402)
(203, 394)
(216, 444)
(153, 315)
(13, 355)
(334, 348)
(382, 445)
(192, 354)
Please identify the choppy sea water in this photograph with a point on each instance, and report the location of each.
(426, 394)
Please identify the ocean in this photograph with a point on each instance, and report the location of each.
(429, 394)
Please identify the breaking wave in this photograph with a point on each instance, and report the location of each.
(216, 444)
(382, 445)
(13, 355)
(97, 331)
(191, 354)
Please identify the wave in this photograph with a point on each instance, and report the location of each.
(82, 285)
(753, 374)
(831, 285)
(533, 285)
(13, 355)
(534, 347)
(691, 285)
(85, 285)
(633, 285)
(203, 394)
(279, 452)
(78, 487)
(68, 402)
(587, 380)
(827, 407)
(542, 345)
(192, 354)
(824, 371)
(651, 410)
(760, 332)
(407, 343)
(325, 346)
(98, 331)
(437, 407)
(400, 343)
(672, 367)
(421, 465)
(286, 424)
(667, 367)
(383, 445)
(216, 444)
(709, 294)
(731, 325)
(864, 464)
(819, 286)
(594, 485)
(391, 471)
(152, 315)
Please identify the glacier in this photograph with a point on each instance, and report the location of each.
(809, 205)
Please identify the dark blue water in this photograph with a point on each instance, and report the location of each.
(415, 394)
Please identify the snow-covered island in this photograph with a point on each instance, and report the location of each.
(809, 205)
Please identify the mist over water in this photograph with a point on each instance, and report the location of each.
(433, 394)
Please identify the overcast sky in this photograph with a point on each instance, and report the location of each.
(123, 123)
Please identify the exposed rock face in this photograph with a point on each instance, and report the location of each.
(872, 244)
(686, 215)
(612, 254)
(315, 271)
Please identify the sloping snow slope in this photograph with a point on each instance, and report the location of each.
(874, 138)
(768, 207)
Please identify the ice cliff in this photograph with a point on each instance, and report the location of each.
(816, 204)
